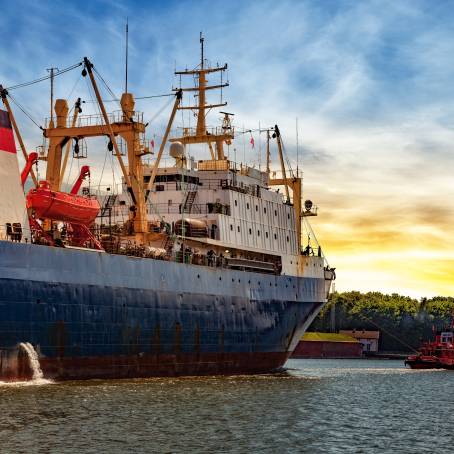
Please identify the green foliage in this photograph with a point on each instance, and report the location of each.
(403, 321)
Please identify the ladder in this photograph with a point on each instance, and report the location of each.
(189, 201)
(108, 204)
(168, 245)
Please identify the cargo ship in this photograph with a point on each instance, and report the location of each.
(193, 268)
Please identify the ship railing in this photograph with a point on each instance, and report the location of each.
(214, 261)
(223, 183)
(116, 116)
(15, 233)
(161, 186)
(175, 208)
(210, 131)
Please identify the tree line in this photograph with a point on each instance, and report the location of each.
(403, 322)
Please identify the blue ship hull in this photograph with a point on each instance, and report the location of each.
(96, 315)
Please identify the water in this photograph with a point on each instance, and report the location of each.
(317, 406)
(33, 360)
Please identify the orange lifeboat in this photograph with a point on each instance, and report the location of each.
(62, 206)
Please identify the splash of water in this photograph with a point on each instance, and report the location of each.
(33, 359)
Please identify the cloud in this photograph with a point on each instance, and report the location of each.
(370, 84)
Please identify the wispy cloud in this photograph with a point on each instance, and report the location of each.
(370, 83)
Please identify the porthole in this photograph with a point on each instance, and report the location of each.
(198, 276)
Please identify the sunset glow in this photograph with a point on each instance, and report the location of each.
(370, 82)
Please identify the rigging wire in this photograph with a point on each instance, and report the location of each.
(389, 333)
(73, 90)
(41, 79)
(136, 98)
(155, 96)
(24, 111)
(159, 112)
(106, 85)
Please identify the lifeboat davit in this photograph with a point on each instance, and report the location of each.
(62, 206)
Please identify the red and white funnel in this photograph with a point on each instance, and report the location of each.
(13, 211)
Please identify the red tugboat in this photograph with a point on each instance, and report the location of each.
(437, 354)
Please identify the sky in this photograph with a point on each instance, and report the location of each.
(370, 82)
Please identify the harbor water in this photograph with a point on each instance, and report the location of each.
(338, 406)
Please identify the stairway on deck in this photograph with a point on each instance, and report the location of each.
(189, 201)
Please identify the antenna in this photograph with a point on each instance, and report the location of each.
(260, 148)
(297, 150)
(202, 39)
(126, 57)
(51, 121)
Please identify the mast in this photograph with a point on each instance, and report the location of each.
(297, 149)
(149, 186)
(126, 58)
(3, 94)
(216, 136)
(128, 129)
(281, 160)
(268, 152)
(51, 121)
(293, 183)
(77, 111)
